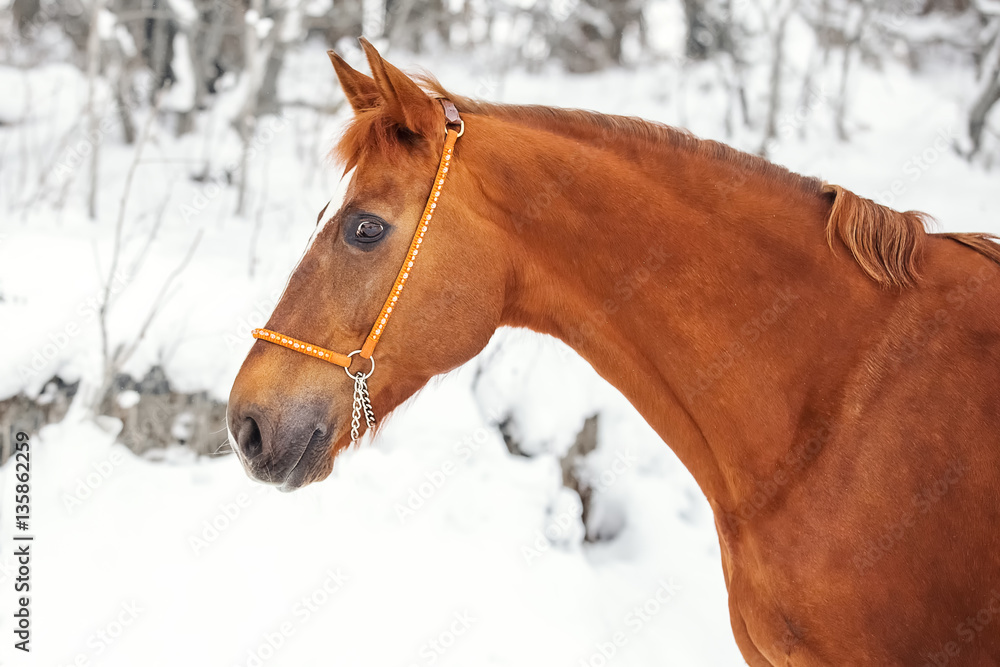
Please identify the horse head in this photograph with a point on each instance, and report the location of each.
(290, 411)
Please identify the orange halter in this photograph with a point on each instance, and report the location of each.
(368, 348)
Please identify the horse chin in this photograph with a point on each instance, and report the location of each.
(315, 465)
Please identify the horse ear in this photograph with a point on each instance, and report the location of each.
(405, 101)
(360, 89)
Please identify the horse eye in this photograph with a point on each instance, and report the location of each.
(368, 231)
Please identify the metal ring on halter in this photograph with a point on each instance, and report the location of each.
(371, 370)
(461, 128)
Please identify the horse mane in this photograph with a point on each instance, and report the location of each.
(582, 124)
(887, 244)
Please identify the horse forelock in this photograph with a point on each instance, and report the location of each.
(371, 130)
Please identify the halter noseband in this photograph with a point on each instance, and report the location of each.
(361, 398)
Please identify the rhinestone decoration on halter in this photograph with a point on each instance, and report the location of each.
(301, 346)
(418, 238)
(362, 402)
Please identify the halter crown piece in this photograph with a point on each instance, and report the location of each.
(454, 128)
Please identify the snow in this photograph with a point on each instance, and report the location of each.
(432, 545)
(128, 399)
(185, 10)
(106, 24)
(220, 564)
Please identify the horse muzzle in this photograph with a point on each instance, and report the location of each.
(289, 449)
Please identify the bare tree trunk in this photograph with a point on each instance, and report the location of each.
(114, 361)
(988, 96)
(267, 93)
(124, 109)
(852, 38)
(93, 70)
(267, 96)
(694, 48)
(622, 15)
(204, 38)
(258, 220)
(840, 109)
(777, 64)
(248, 114)
(807, 94)
(120, 80)
(823, 30)
(24, 13)
(161, 47)
(108, 357)
(571, 465)
(735, 79)
(733, 70)
(399, 23)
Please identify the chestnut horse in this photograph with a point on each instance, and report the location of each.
(826, 368)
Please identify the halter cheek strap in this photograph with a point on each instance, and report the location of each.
(361, 399)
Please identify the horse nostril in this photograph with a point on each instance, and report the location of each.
(317, 437)
(249, 438)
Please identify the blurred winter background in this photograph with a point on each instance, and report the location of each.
(161, 166)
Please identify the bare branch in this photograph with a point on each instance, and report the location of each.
(93, 70)
(109, 366)
(124, 354)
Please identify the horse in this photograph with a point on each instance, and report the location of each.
(825, 367)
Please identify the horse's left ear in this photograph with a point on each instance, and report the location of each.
(405, 101)
(360, 90)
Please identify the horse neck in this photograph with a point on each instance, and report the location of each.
(681, 278)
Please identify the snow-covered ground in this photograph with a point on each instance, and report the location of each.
(432, 545)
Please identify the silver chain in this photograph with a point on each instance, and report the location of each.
(362, 402)
(366, 403)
